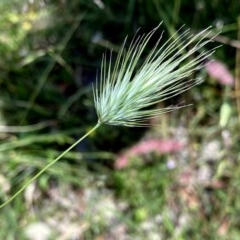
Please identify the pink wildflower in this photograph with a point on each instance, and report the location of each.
(144, 147)
(219, 71)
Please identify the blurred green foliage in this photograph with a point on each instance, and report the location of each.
(50, 53)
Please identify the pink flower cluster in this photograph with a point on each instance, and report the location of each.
(144, 147)
(219, 72)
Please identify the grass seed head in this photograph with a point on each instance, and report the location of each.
(127, 90)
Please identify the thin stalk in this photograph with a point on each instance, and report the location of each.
(48, 166)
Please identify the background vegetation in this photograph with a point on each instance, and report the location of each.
(187, 188)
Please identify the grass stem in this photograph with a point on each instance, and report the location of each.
(48, 166)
